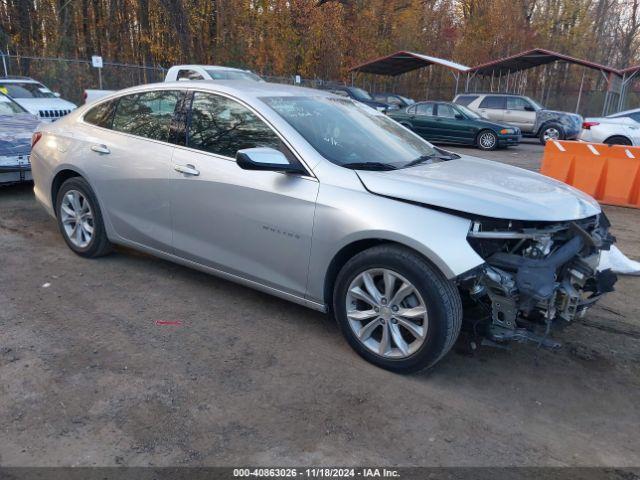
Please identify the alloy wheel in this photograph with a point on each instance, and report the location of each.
(386, 313)
(487, 140)
(551, 133)
(77, 218)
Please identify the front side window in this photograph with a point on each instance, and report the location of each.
(146, 114)
(446, 111)
(101, 115)
(635, 117)
(223, 126)
(517, 103)
(26, 90)
(425, 109)
(495, 102)
(351, 134)
(233, 75)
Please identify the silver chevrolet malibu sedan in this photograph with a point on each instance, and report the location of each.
(326, 202)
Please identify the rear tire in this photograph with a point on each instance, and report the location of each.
(80, 219)
(487, 140)
(421, 312)
(618, 140)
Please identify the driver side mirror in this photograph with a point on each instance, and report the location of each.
(529, 108)
(56, 94)
(459, 116)
(266, 159)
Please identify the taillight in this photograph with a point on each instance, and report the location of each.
(35, 138)
(588, 125)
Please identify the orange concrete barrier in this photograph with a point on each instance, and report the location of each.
(610, 174)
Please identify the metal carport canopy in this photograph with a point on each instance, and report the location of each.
(402, 62)
(534, 58)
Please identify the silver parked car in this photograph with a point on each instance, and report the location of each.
(532, 118)
(326, 202)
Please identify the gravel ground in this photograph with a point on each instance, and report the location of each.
(87, 376)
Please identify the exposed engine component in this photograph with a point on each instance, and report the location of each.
(537, 276)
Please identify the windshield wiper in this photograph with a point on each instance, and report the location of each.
(427, 158)
(369, 166)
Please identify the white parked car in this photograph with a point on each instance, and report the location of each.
(622, 128)
(181, 73)
(34, 97)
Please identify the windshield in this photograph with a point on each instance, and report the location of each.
(9, 107)
(25, 90)
(408, 101)
(360, 94)
(352, 135)
(233, 75)
(468, 113)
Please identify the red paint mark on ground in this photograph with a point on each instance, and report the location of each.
(161, 323)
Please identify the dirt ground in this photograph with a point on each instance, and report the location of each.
(87, 377)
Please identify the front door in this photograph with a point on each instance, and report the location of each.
(451, 125)
(520, 113)
(253, 224)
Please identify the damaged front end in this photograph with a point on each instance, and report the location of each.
(537, 275)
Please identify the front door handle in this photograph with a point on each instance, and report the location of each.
(100, 149)
(187, 170)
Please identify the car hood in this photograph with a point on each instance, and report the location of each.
(15, 133)
(481, 187)
(34, 105)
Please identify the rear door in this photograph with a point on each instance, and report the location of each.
(493, 107)
(424, 121)
(520, 113)
(253, 224)
(128, 157)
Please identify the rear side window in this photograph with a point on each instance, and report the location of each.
(101, 115)
(146, 114)
(492, 101)
(424, 109)
(465, 99)
(223, 126)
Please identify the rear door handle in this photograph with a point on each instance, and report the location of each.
(100, 149)
(187, 170)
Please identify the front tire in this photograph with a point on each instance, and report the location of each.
(551, 132)
(396, 310)
(80, 219)
(487, 140)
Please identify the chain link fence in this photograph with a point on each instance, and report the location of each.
(70, 77)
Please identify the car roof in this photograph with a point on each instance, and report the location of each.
(237, 88)
(18, 80)
(624, 113)
(497, 94)
(220, 68)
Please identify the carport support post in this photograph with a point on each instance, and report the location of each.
(4, 64)
(580, 91)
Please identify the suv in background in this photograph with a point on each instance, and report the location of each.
(34, 97)
(357, 94)
(532, 118)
